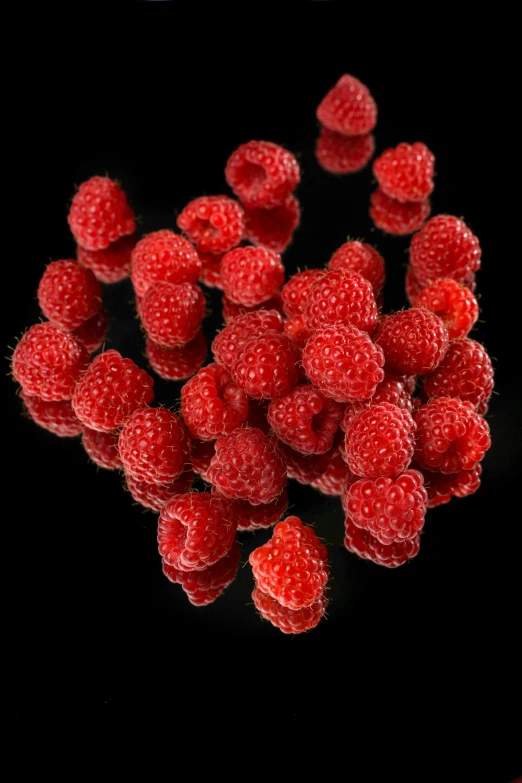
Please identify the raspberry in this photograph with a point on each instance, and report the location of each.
(293, 566)
(288, 620)
(213, 223)
(111, 264)
(412, 286)
(203, 587)
(266, 366)
(109, 392)
(211, 269)
(68, 294)
(201, 453)
(406, 172)
(453, 303)
(154, 446)
(391, 216)
(298, 332)
(444, 247)
(232, 310)
(230, 339)
(343, 363)
(337, 473)
(380, 441)
(102, 448)
(465, 372)
(362, 543)
(450, 436)
(164, 257)
(100, 214)
(48, 361)
(91, 334)
(258, 517)
(251, 275)
(172, 314)
(246, 467)
(262, 174)
(195, 531)
(175, 364)
(273, 227)
(442, 487)
(212, 404)
(362, 258)
(392, 389)
(341, 298)
(296, 292)
(340, 154)
(348, 108)
(305, 419)
(154, 496)
(304, 468)
(414, 341)
(56, 417)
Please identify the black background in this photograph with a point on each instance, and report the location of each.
(98, 637)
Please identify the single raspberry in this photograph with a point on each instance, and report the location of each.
(211, 269)
(266, 366)
(451, 436)
(164, 257)
(340, 154)
(176, 364)
(304, 468)
(380, 441)
(362, 258)
(102, 448)
(257, 415)
(48, 361)
(414, 341)
(362, 543)
(251, 275)
(444, 247)
(262, 174)
(111, 264)
(212, 404)
(293, 566)
(201, 453)
(341, 298)
(442, 487)
(298, 332)
(296, 292)
(172, 314)
(100, 214)
(258, 517)
(154, 496)
(392, 217)
(231, 310)
(154, 446)
(213, 223)
(288, 620)
(453, 303)
(240, 329)
(246, 467)
(337, 474)
(343, 363)
(92, 333)
(305, 419)
(392, 389)
(348, 108)
(68, 294)
(56, 417)
(406, 172)
(273, 227)
(109, 392)
(465, 372)
(195, 531)
(203, 587)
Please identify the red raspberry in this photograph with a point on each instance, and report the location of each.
(348, 108)
(380, 441)
(343, 363)
(154, 446)
(339, 299)
(251, 275)
(288, 620)
(111, 264)
(414, 341)
(453, 303)
(293, 566)
(92, 332)
(212, 404)
(176, 364)
(240, 329)
(246, 467)
(392, 389)
(172, 314)
(109, 392)
(366, 546)
(406, 172)
(296, 292)
(391, 216)
(154, 496)
(100, 214)
(195, 531)
(304, 468)
(273, 227)
(445, 247)
(203, 587)
(442, 487)
(336, 475)
(232, 310)
(298, 332)
(48, 361)
(262, 174)
(211, 269)
(102, 448)
(201, 453)
(465, 372)
(258, 517)
(305, 419)
(266, 366)
(340, 154)
(68, 294)
(56, 417)
(213, 223)
(164, 257)
(362, 258)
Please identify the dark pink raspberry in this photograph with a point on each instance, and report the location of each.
(296, 292)
(305, 419)
(392, 389)
(68, 294)
(258, 517)
(251, 275)
(154, 496)
(348, 108)
(304, 468)
(341, 298)
(111, 264)
(176, 364)
(405, 172)
(240, 329)
(336, 475)
(285, 619)
(56, 417)
(211, 269)
(100, 214)
(380, 441)
(154, 446)
(414, 341)
(201, 453)
(213, 223)
(262, 174)
(102, 448)
(172, 314)
(164, 257)
(465, 372)
(266, 366)
(212, 404)
(393, 217)
(362, 543)
(453, 303)
(203, 587)
(445, 247)
(362, 258)
(232, 310)
(442, 487)
(273, 227)
(340, 154)
(92, 333)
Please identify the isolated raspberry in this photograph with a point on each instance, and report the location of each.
(266, 366)
(393, 217)
(231, 310)
(100, 214)
(234, 335)
(154, 446)
(109, 392)
(164, 257)
(414, 341)
(172, 314)
(213, 223)
(393, 389)
(92, 333)
(304, 468)
(251, 275)
(451, 436)
(296, 292)
(195, 530)
(444, 247)
(262, 174)
(111, 264)
(380, 441)
(176, 364)
(154, 496)
(211, 269)
(212, 404)
(48, 361)
(203, 587)
(453, 303)
(442, 487)
(341, 298)
(56, 417)
(348, 108)
(273, 227)
(362, 543)
(288, 620)
(343, 363)
(246, 467)
(340, 154)
(406, 172)
(201, 453)
(68, 294)
(336, 475)
(102, 448)
(362, 258)
(465, 372)
(305, 419)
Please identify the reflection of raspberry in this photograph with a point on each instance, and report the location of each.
(288, 620)
(251, 275)
(231, 310)
(213, 223)
(212, 404)
(414, 341)
(348, 108)
(304, 468)
(154, 496)
(262, 174)
(111, 264)
(92, 332)
(305, 419)
(362, 258)
(211, 269)
(297, 290)
(266, 366)
(336, 475)
(176, 364)
(201, 453)
(102, 448)
(406, 172)
(154, 446)
(391, 216)
(203, 587)
(230, 339)
(366, 546)
(453, 303)
(163, 257)
(56, 417)
(380, 441)
(442, 487)
(341, 298)
(445, 247)
(340, 154)
(68, 294)
(100, 214)
(273, 228)
(264, 515)
(172, 314)
(465, 372)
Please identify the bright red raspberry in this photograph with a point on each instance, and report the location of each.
(154, 446)
(251, 275)
(343, 363)
(414, 341)
(195, 531)
(341, 298)
(68, 294)
(304, 468)
(154, 496)
(56, 417)
(392, 217)
(337, 474)
(296, 292)
(213, 223)
(305, 419)
(258, 517)
(212, 404)
(164, 257)
(266, 366)
(392, 389)
(442, 487)
(211, 269)
(362, 543)
(340, 154)
(110, 391)
(465, 372)
(172, 314)
(102, 448)
(262, 174)
(273, 227)
(453, 303)
(201, 453)
(203, 587)
(380, 441)
(288, 620)
(92, 333)
(406, 172)
(48, 361)
(232, 310)
(444, 247)
(111, 264)
(176, 364)
(362, 258)
(100, 214)
(246, 467)
(240, 329)
(348, 108)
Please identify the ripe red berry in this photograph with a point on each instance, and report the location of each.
(380, 441)
(164, 257)
(172, 314)
(336, 474)
(262, 174)
(211, 269)
(251, 275)
(465, 372)
(68, 294)
(266, 366)
(393, 217)
(444, 247)
(298, 332)
(288, 620)
(176, 364)
(201, 453)
(56, 417)
(393, 389)
(92, 333)
(102, 448)
(213, 223)
(212, 404)
(453, 303)
(305, 419)
(154, 496)
(258, 517)
(273, 227)
(154, 446)
(340, 154)
(111, 264)
(297, 290)
(232, 310)
(100, 214)
(230, 339)
(406, 172)
(203, 587)
(362, 258)
(304, 468)
(348, 108)
(362, 543)
(341, 298)
(414, 341)
(442, 487)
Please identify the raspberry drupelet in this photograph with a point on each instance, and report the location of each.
(68, 294)
(92, 333)
(444, 247)
(232, 310)
(111, 264)
(212, 404)
(56, 417)
(406, 172)
(273, 227)
(234, 335)
(214, 224)
(414, 341)
(176, 364)
(380, 441)
(341, 298)
(251, 275)
(297, 290)
(164, 257)
(305, 419)
(364, 545)
(154, 496)
(362, 258)
(100, 214)
(154, 446)
(465, 372)
(171, 314)
(204, 587)
(339, 154)
(348, 108)
(288, 620)
(453, 303)
(262, 174)
(266, 366)
(102, 448)
(393, 217)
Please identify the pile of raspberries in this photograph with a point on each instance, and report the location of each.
(309, 381)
